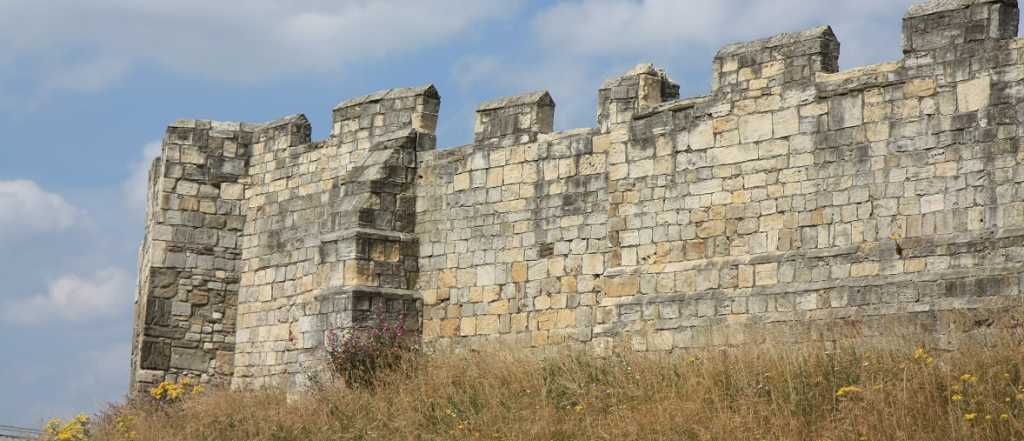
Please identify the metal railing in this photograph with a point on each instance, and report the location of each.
(18, 433)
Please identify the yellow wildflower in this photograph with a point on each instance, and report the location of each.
(956, 397)
(970, 416)
(920, 354)
(1004, 417)
(968, 378)
(848, 390)
(74, 430)
(171, 391)
(578, 408)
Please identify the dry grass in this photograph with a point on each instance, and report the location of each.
(711, 395)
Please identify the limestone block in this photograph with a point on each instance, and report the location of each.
(706, 186)
(917, 88)
(592, 164)
(447, 279)
(593, 264)
(702, 136)
(231, 191)
(863, 269)
(757, 127)
(519, 271)
(785, 122)
(450, 327)
(622, 286)
(641, 168)
(766, 274)
(485, 275)
(845, 111)
(462, 181)
(189, 359)
(486, 324)
(467, 326)
(932, 203)
(973, 95)
(732, 155)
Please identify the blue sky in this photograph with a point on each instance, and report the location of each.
(87, 87)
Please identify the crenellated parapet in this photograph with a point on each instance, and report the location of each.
(794, 202)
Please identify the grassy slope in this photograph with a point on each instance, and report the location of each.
(710, 395)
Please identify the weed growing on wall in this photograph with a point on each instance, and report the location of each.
(360, 355)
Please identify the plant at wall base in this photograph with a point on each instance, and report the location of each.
(360, 355)
(76, 429)
(170, 392)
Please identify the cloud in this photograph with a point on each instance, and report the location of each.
(75, 298)
(25, 208)
(71, 45)
(610, 27)
(136, 185)
(578, 44)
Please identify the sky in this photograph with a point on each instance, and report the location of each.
(87, 88)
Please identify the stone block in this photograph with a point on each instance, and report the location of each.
(486, 325)
(918, 88)
(846, 111)
(190, 359)
(621, 286)
(155, 355)
(973, 95)
(785, 122)
(593, 264)
(732, 155)
(232, 191)
(757, 127)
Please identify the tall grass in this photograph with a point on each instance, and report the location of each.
(846, 392)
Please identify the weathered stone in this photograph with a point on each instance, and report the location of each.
(845, 111)
(189, 359)
(973, 95)
(621, 286)
(757, 127)
(792, 198)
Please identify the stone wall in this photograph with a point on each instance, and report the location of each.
(794, 202)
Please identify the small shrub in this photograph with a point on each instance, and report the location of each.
(77, 429)
(361, 355)
(170, 392)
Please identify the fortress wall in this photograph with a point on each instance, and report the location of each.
(790, 203)
(278, 247)
(189, 268)
(511, 239)
(794, 202)
(328, 243)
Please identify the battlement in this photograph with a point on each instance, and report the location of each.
(791, 202)
(520, 117)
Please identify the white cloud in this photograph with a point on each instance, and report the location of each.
(137, 184)
(25, 208)
(71, 45)
(75, 298)
(610, 27)
(579, 44)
